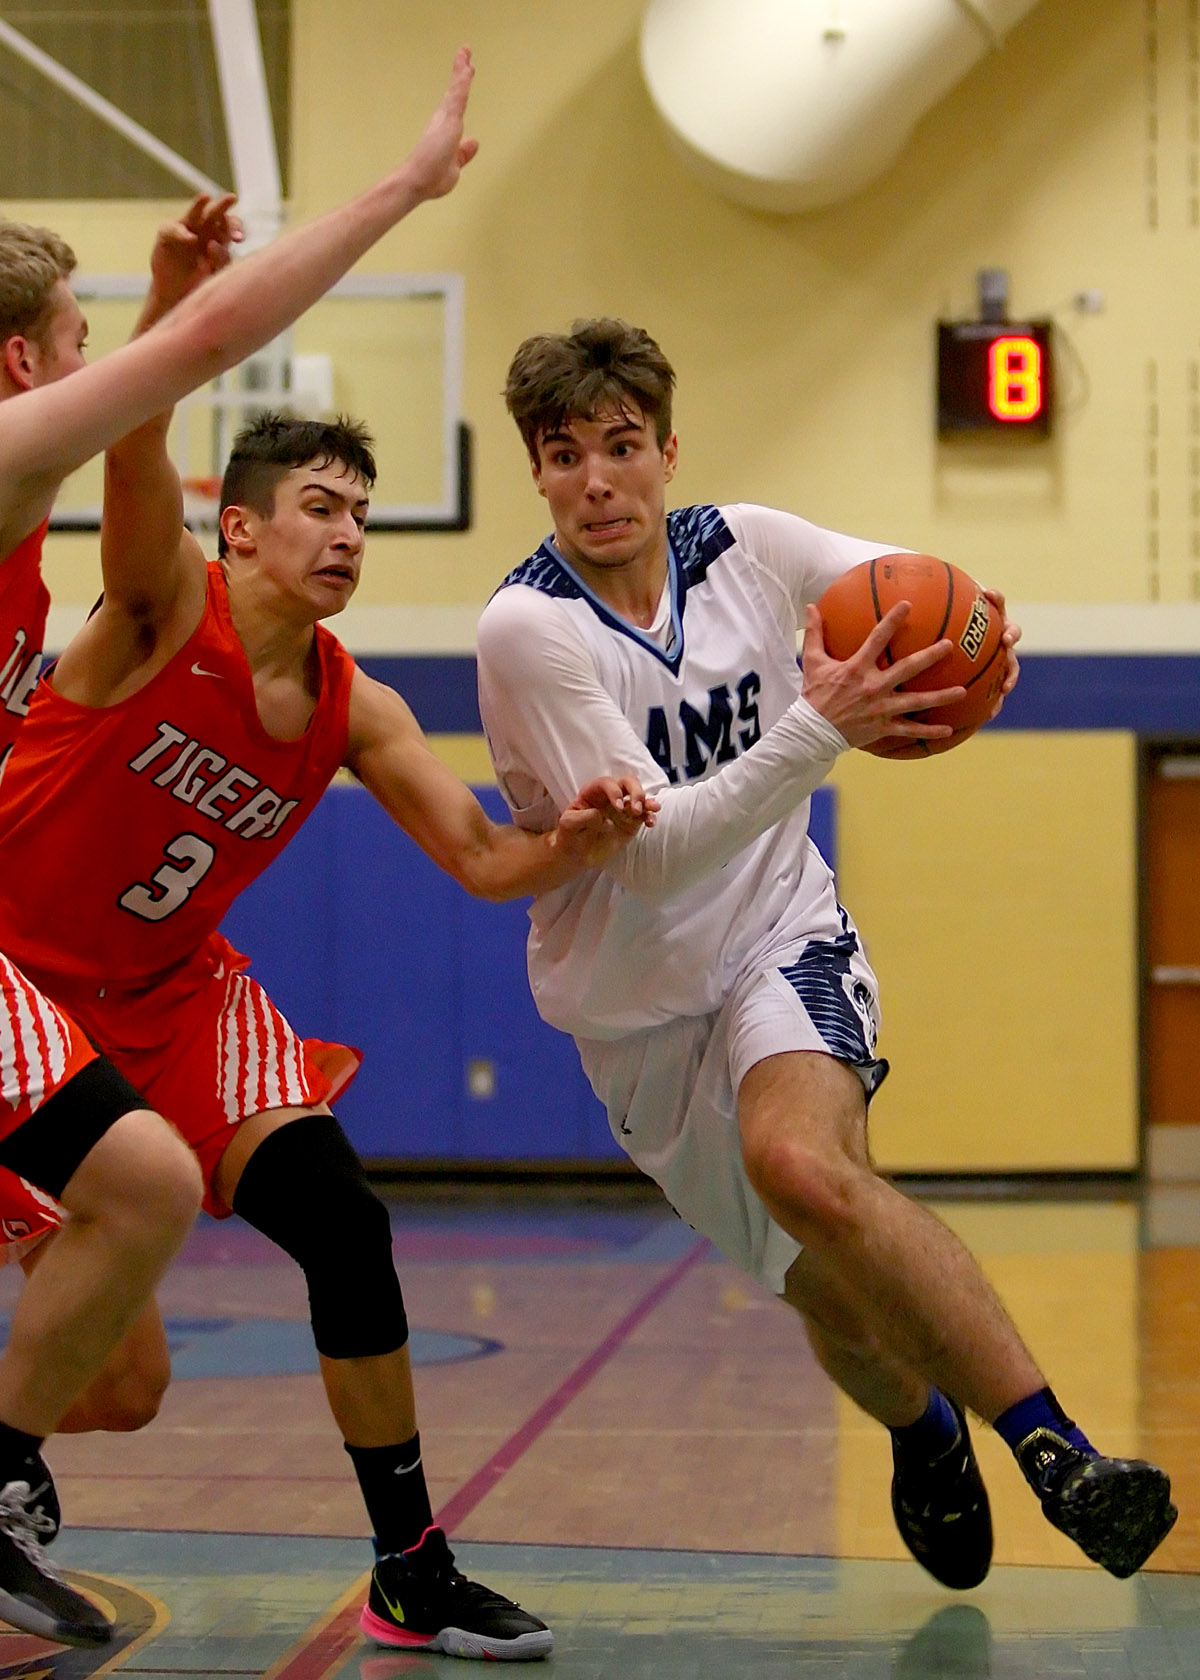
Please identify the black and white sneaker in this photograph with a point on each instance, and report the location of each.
(941, 1509)
(1117, 1510)
(33, 1595)
(420, 1602)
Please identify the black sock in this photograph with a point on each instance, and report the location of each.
(19, 1460)
(393, 1487)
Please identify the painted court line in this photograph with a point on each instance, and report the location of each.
(460, 1505)
(316, 1654)
(322, 1647)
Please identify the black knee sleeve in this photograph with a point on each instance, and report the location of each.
(58, 1137)
(304, 1187)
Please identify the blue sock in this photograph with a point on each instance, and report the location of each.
(1039, 1411)
(935, 1430)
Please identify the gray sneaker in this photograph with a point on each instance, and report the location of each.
(33, 1595)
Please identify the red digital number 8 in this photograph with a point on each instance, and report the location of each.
(1014, 378)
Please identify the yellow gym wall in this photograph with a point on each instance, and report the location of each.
(996, 890)
(996, 886)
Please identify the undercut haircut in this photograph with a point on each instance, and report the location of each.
(32, 262)
(600, 364)
(271, 446)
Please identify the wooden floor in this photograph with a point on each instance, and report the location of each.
(625, 1433)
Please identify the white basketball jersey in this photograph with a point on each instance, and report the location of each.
(569, 690)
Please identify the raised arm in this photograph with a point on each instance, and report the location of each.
(389, 754)
(153, 568)
(147, 557)
(48, 433)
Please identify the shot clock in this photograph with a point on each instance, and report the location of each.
(995, 378)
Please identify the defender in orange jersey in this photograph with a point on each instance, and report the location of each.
(178, 744)
(70, 1125)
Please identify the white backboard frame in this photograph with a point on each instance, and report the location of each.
(231, 397)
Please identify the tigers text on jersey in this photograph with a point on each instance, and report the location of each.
(126, 831)
(24, 604)
(569, 690)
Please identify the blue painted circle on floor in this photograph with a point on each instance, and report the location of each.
(283, 1347)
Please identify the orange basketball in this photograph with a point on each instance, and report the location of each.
(945, 602)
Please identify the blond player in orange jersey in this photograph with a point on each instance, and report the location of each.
(35, 314)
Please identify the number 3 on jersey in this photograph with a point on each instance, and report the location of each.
(171, 883)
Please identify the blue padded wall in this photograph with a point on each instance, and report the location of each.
(359, 938)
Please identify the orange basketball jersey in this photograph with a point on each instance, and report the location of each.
(24, 603)
(127, 831)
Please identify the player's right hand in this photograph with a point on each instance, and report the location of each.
(441, 154)
(864, 703)
(621, 801)
(603, 816)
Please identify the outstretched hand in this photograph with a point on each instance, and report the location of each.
(188, 251)
(864, 703)
(604, 816)
(441, 154)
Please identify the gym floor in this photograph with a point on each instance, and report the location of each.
(626, 1436)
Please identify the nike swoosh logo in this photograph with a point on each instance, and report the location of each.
(199, 671)
(396, 1610)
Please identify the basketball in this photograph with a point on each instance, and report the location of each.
(945, 602)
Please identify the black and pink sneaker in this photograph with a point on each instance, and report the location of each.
(420, 1602)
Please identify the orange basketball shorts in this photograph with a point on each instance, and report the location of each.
(208, 1049)
(41, 1049)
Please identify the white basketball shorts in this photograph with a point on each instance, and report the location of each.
(671, 1092)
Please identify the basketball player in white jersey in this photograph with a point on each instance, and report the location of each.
(719, 995)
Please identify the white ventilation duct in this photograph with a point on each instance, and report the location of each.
(788, 105)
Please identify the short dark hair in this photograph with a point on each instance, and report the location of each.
(600, 363)
(266, 450)
(32, 262)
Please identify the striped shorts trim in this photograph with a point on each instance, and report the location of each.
(260, 1058)
(41, 1048)
(27, 1216)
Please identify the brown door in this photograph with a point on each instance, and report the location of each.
(1172, 1021)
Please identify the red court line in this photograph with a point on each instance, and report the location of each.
(317, 1653)
(460, 1505)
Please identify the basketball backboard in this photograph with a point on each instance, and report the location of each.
(384, 348)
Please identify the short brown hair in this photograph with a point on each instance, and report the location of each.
(273, 444)
(601, 363)
(32, 262)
